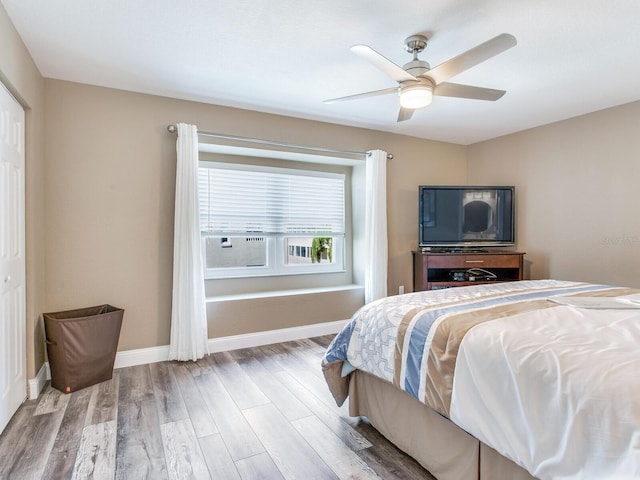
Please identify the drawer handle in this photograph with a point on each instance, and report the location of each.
(474, 261)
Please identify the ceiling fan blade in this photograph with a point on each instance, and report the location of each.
(447, 89)
(470, 58)
(405, 114)
(383, 63)
(375, 93)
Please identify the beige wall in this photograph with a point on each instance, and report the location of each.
(109, 204)
(416, 162)
(577, 191)
(19, 74)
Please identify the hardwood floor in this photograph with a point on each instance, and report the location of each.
(256, 413)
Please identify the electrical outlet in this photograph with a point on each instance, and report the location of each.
(400, 289)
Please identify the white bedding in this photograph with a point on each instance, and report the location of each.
(522, 366)
(583, 424)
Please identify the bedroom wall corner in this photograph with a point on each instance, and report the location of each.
(577, 185)
(20, 75)
(415, 162)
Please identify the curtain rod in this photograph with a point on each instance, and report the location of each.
(173, 129)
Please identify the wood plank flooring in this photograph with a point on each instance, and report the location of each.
(255, 413)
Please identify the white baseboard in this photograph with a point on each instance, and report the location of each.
(141, 356)
(37, 384)
(235, 342)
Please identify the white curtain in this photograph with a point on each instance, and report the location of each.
(375, 225)
(188, 311)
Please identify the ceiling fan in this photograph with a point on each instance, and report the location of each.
(418, 82)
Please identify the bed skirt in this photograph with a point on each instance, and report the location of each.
(444, 449)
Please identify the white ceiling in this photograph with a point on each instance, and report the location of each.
(287, 56)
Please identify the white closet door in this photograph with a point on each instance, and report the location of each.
(13, 376)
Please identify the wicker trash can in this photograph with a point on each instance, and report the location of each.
(82, 345)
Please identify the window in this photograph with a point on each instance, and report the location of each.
(258, 220)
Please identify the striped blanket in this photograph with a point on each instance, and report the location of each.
(412, 340)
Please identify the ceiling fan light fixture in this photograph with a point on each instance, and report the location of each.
(416, 96)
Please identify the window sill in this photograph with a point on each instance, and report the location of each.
(282, 293)
(226, 276)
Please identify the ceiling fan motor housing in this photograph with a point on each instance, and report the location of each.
(417, 67)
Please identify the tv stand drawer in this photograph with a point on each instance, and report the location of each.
(471, 260)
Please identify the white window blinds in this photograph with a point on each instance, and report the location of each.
(241, 199)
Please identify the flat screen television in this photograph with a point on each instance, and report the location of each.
(466, 216)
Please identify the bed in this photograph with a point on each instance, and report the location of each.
(522, 380)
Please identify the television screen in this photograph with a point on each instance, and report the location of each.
(466, 216)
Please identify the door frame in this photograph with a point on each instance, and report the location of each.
(13, 384)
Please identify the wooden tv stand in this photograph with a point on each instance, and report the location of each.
(435, 269)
